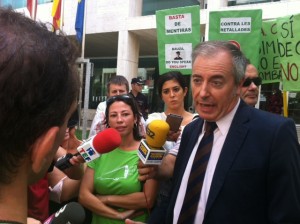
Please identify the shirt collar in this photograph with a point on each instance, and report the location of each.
(225, 122)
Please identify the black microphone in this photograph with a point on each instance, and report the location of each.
(71, 213)
(92, 148)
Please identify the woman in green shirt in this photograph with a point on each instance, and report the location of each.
(110, 186)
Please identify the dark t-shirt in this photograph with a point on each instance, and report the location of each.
(142, 101)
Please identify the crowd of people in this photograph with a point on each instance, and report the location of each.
(248, 172)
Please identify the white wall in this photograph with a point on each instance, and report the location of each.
(113, 16)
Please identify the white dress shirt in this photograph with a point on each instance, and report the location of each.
(219, 138)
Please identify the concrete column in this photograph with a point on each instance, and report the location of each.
(128, 54)
(213, 6)
(135, 8)
(129, 45)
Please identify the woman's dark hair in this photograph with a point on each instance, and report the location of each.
(173, 75)
(134, 107)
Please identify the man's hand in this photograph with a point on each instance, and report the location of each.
(77, 160)
(147, 172)
(125, 214)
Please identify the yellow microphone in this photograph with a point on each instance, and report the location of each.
(157, 133)
(151, 150)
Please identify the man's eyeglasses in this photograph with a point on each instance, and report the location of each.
(248, 81)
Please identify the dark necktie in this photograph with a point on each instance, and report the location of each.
(194, 186)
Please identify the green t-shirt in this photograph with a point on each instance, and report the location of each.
(116, 174)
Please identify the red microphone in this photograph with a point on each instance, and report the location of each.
(92, 148)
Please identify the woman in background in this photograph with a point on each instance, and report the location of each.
(172, 88)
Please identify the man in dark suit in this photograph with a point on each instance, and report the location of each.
(253, 173)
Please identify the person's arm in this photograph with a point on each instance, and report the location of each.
(70, 146)
(129, 221)
(97, 123)
(61, 187)
(166, 168)
(76, 171)
(135, 201)
(33, 221)
(94, 204)
(164, 171)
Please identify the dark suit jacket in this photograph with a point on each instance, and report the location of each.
(257, 177)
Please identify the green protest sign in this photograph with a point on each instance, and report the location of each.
(269, 60)
(288, 47)
(178, 32)
(242, 27)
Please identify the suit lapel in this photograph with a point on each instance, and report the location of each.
(187, 144)
(232, 145)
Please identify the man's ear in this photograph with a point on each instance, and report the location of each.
(42, 150)
(239, 88)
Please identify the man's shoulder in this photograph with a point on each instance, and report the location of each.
(101, 107)
(141, 95)
(263, 119)
(193, 125)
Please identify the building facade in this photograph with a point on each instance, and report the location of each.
(120, 36)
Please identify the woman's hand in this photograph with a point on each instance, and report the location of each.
(173, 136)
(121, 215)
(124, 215)
(32, 221)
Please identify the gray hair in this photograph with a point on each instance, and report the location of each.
(211, 48)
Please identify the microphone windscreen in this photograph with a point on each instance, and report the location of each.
(107, 140)
(156, 133)
(72, 213)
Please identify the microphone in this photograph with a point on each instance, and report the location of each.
(151, 150)
(72, 213)
(92, 148)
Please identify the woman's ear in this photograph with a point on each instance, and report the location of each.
(185, 90)
(42, 151)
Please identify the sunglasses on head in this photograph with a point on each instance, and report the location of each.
(248, 81)
(118, 98)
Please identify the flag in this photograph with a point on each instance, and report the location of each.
(177, 35)
(32, 7)
(56, 14)
(79, 20)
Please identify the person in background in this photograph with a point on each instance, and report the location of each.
(39, 88)
(274, 102)
(172, 88)
(62, 188)
(110, 186)
(117, 85)
(250, 87)
(56, 185)
(140, 98)
(178, 56)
